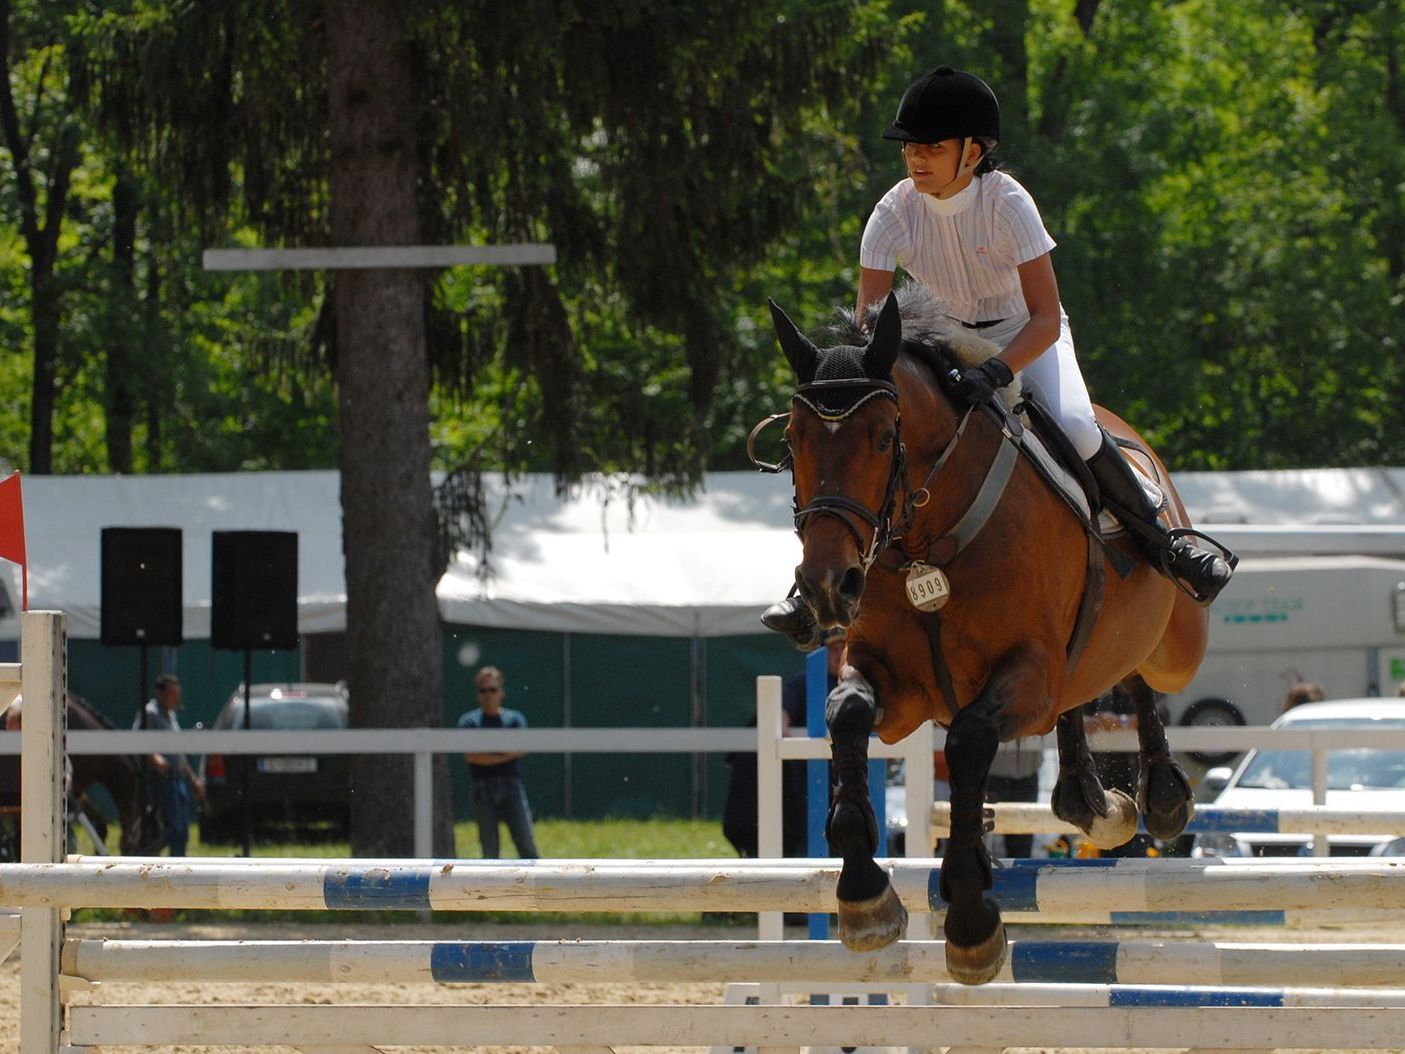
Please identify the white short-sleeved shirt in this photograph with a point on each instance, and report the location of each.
(968, 260)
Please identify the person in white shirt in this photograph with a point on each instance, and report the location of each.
(973, 236)
(172, 779)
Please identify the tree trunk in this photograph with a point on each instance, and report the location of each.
(117, 379)
(41, 237)
(43, 246)
(45, 309)
(383, 376)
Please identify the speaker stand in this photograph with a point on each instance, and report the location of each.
(144, 766)
(246, 771)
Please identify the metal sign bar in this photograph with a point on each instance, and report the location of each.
(378, 256)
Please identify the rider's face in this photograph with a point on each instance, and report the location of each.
(933, 166)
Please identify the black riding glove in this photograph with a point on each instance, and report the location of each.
(979, 383)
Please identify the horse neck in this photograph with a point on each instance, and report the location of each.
(929, 421)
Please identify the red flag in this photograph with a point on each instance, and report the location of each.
(12, 529)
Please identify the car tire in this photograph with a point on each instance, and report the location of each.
(1213, 713)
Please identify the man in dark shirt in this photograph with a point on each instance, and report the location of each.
(499, 796)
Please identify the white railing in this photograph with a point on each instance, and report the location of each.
(426, 742)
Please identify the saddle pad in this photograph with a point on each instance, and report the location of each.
(1108, 525)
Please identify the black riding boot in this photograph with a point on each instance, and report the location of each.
(793, 619)
(1206, 573)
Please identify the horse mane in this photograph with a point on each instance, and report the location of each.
(929, 334)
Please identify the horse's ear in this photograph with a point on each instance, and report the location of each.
(799, 352)
(882, 350)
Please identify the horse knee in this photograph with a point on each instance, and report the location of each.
(971, 743)
(851, 711)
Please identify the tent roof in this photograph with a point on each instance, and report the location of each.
(597, 561)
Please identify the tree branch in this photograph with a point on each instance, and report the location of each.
(19, 151)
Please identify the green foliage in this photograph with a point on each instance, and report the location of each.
(1226, 181)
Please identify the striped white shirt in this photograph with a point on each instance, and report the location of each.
(968, 260)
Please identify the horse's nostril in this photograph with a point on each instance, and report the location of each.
(851, 585)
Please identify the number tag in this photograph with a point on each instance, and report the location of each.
(927, 587)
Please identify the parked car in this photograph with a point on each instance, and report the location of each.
(307, 792)
(1359, 778)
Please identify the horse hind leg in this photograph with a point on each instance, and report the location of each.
(870, 914)
(1107, 817)
(1164, 795)
(975, 934)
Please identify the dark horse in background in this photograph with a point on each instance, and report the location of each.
(120, 776)
(892, 481)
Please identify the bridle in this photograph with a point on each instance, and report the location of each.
(852, 514)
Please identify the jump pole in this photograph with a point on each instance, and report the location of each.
(1119, 1028)
(1187, 885)
(1037, 818)
(1031, 963)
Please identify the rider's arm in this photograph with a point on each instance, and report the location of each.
(873, 285)
(1041, 297)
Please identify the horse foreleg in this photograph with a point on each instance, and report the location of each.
(1163, 793)
(870, 914)
(975, 935)
(1107, 817)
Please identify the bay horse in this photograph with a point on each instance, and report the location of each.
(903, 497)
(118, 774)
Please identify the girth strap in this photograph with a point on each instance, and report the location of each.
(932, 623)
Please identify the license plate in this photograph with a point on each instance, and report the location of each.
(287, 764)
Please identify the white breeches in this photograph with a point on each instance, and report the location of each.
(1057, 380)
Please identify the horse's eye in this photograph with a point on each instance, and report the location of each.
(885, 441)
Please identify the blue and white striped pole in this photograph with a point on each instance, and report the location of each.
(1031, 963)
(1099, 890)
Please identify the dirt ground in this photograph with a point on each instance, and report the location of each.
(632, 993)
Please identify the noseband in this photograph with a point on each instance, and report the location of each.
(848, 511)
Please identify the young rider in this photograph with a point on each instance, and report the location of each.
(973, 236)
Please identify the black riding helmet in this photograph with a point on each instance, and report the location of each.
(946, 104)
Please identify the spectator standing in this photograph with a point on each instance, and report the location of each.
(499, 795)
(172, 780)
(1014, 776)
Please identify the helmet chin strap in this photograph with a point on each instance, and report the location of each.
(962, 168)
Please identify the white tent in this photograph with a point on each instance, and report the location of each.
(597, 561)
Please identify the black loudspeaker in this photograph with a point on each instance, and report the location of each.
(141, 585)
(254, 590)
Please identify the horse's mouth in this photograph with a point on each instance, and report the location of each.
(834, 607)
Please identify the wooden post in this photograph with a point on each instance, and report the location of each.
(44, 677)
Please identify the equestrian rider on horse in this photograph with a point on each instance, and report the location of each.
(974, 237)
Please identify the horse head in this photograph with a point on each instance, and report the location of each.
(845, 445)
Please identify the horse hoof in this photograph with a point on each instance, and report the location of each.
(1118, 826)
(1165, 801)
(1168, 825)
(980, 962)
(868, 925)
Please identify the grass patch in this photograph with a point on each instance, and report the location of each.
(656, 839)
